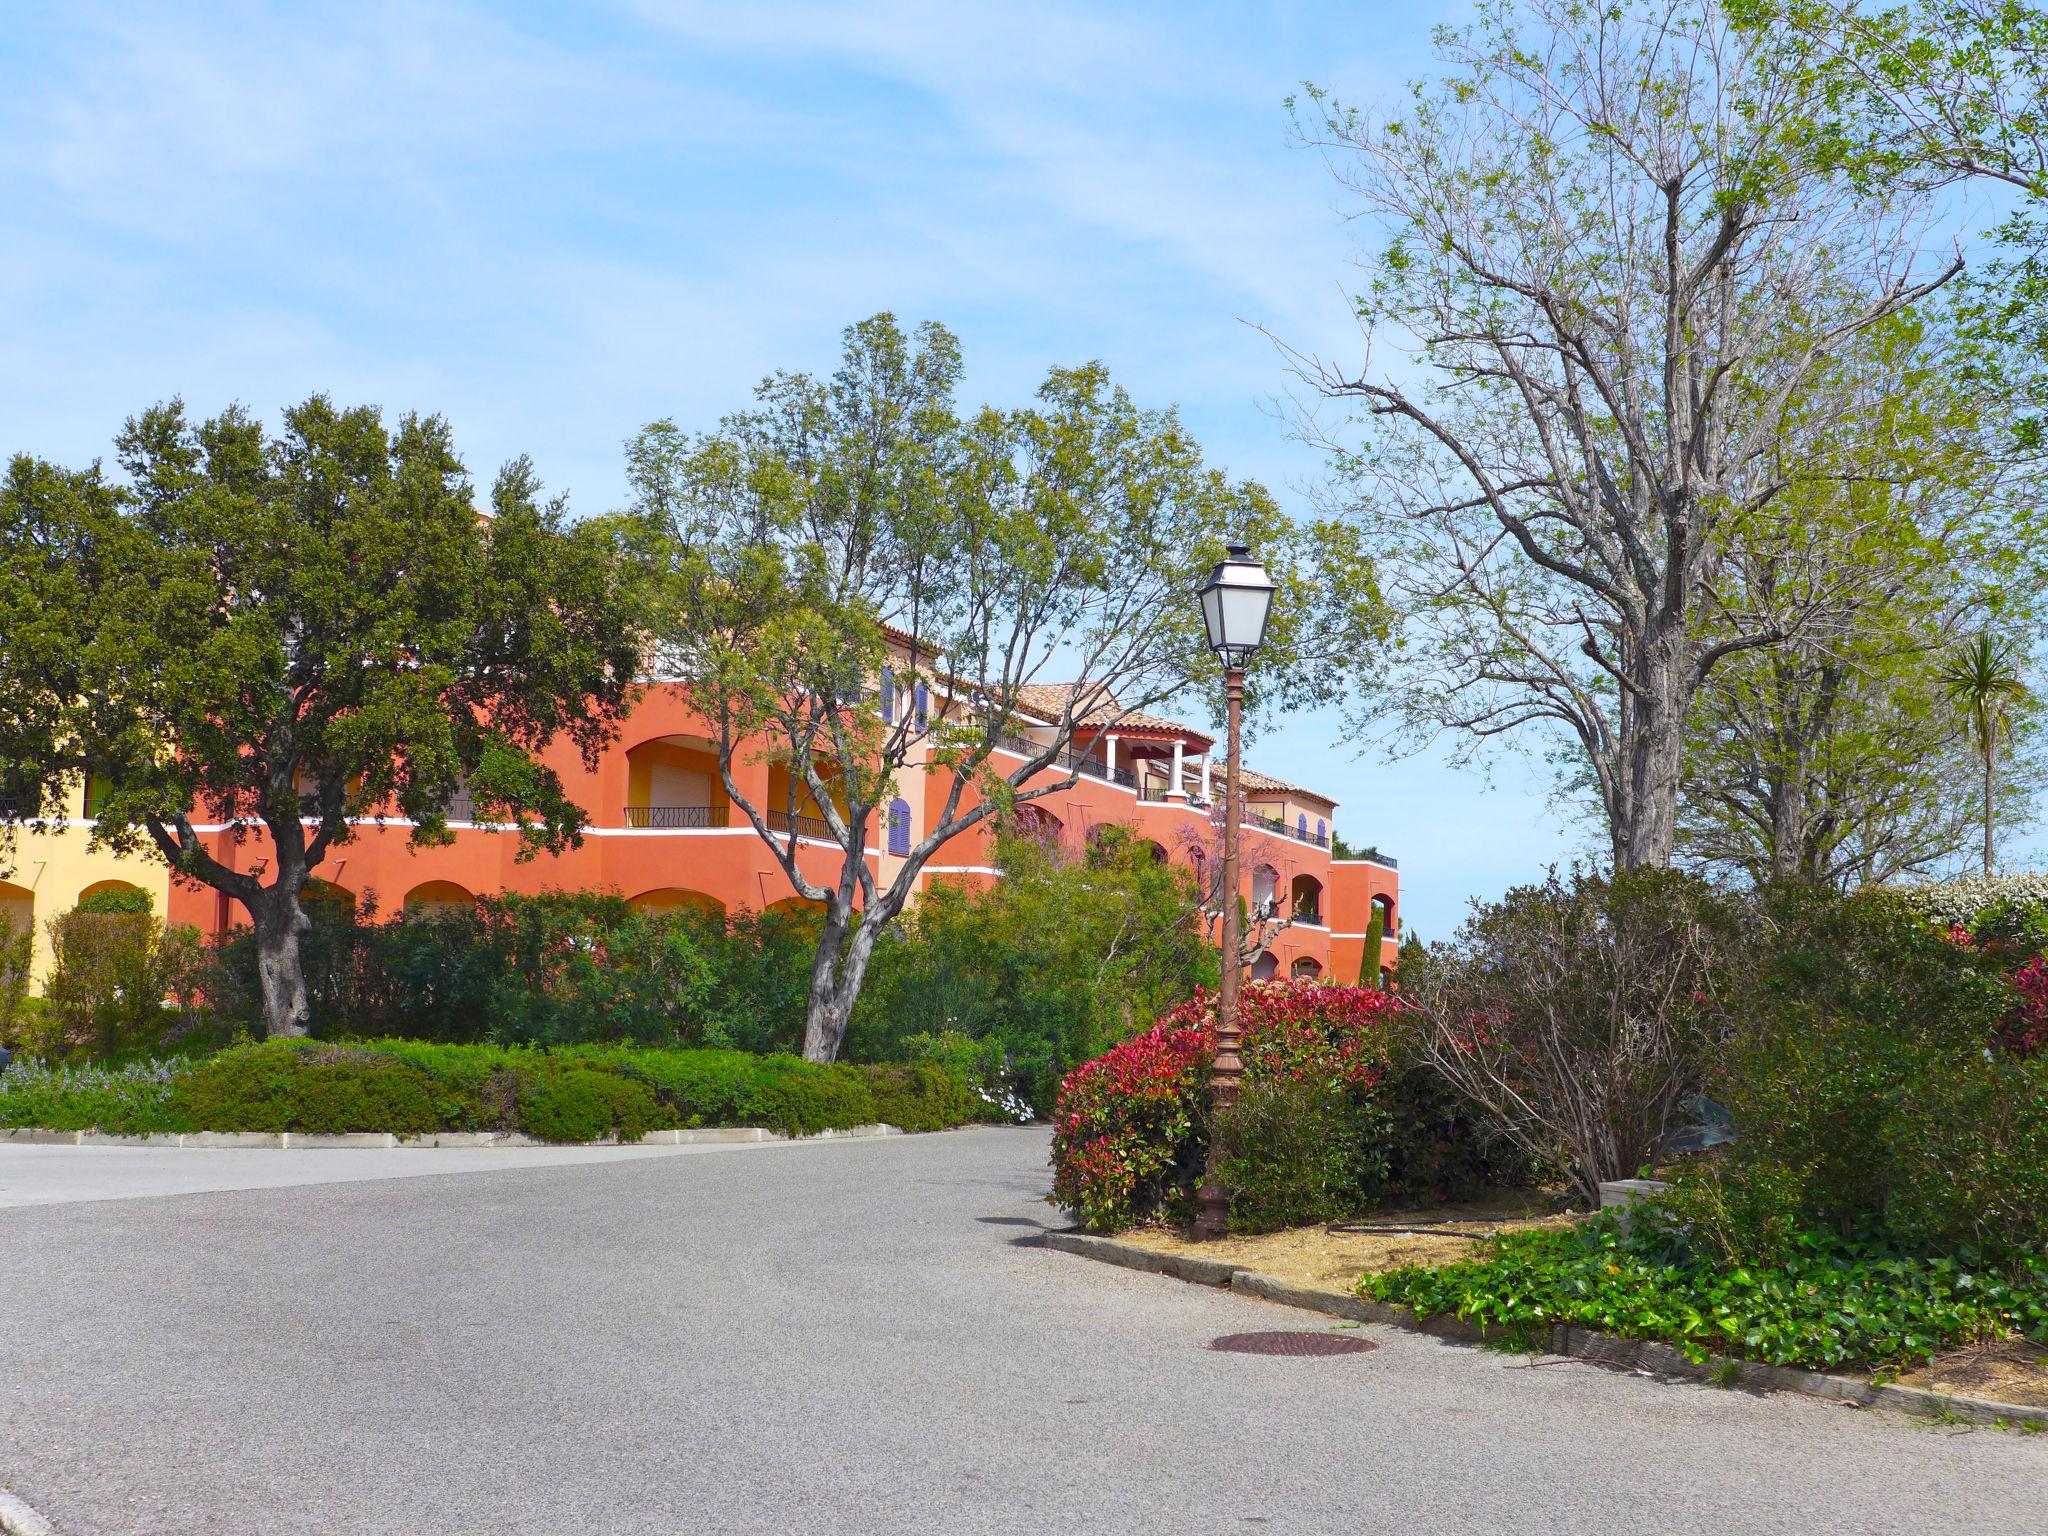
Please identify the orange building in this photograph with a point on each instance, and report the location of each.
(662, 832)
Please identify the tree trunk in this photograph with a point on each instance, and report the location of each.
(279, 923)
(1990, 754)
(837, 973)
(1649, 830)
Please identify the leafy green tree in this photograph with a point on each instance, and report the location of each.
(285, 636)
(1832, 758)
(1059, 541)
(1067, 953)
(1605, 275)
(1984, 680)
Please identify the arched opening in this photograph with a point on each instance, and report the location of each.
(17, 933)
(1266, 967)
(115, 896)
(1157, 850)
(439, 896)
(1306, 969)
(672, 785)
(1265, 887)
(1389, 926)
(17, 910)
(1307, 899)
(674, 898)
(1035, 821)
(795, 907)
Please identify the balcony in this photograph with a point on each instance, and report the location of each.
(1067, 761)
(676, 818)
(802, 826)
(1282, 829)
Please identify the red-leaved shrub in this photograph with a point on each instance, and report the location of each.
(1130, 1130)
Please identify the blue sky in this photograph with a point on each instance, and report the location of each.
(553, 224)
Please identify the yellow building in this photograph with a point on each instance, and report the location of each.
(45, 869)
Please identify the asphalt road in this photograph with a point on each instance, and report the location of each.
(835, 1337)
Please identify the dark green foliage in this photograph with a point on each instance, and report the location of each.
(1870, 1092)
(572, 1103)
(114, 972)
(324, 1089)
(129, 1101)
(563, 968)
(1438, 1146)
(1060, 959)
(115, 900)
(1824, 1304)
(922, 1098)
(305, 631)
(1296, 1151)
(414, 1088)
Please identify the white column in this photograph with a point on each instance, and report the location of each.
(1173, 789)
(1110, 752)
(1205, 777)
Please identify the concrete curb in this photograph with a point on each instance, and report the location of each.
(1565, 1341)
(17, 1519)
(277, 1141)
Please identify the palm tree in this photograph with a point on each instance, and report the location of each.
(1982, 677)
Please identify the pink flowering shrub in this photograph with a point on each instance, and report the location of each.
(1130, 1130)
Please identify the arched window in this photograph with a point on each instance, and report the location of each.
(899, 827)
(1301, 825)
(1322, 832)
(924, 703)
(888, 696)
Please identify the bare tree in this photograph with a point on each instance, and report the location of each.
(1578, 1013)
(1612, 279)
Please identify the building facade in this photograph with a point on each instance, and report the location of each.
(663, 833)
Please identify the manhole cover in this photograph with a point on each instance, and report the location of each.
(1293, 1343)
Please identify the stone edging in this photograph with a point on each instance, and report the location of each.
(382, 1140)
(17, 1519)
(1565, 1340)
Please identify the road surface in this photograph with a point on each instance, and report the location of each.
(854, 1336)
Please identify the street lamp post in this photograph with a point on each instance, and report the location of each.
(1236, 600)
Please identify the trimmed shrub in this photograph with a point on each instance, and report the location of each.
(1130, 1129)
(1130, 1134)
(923, 1098)
(558, 1102)
(285, 1086)
(133, 1100)
(801, 1098)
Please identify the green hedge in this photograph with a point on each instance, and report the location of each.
(410, 1088)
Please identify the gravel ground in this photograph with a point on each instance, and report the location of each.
(846, 1337)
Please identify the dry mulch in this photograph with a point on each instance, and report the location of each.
(2003, 1370)
(1332, 1258)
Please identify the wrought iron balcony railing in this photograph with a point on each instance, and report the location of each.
(802, 826)
(676, 818)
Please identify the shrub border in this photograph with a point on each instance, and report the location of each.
(1566, 1340)
(307, 1141)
